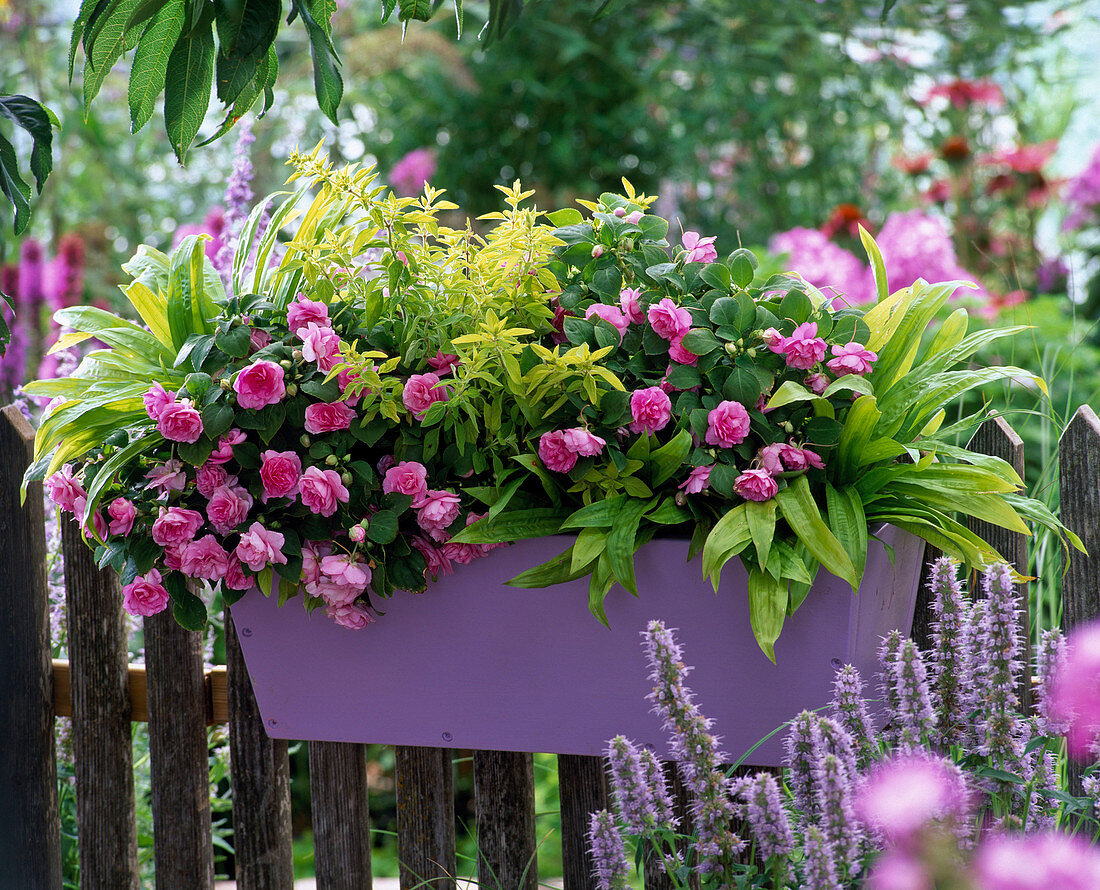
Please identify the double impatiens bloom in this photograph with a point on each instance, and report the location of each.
(728, 423)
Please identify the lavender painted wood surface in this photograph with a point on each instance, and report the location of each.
(473, 663)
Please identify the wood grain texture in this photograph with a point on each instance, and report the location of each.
(1079, 480)
(425, 817)
(183, 850)
(260, 773)
(582, 789)
(102, 744)
(341, 815)
(997, 438)
(504, 792)
(30, 838)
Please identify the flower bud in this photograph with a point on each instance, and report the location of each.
(788, 427)
(286, 362)
(305, 440)
(597, 251)
(225, 385)
(298, 355)
(628, 243)
(357, 533)
(731, 349)
(620, 212)
(292, 389)
(751, 352)
(331, 460)
(346, 477)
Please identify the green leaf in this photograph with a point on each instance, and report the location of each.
(150, 65)
(598, 514)
(667, 460)
(188, 79)
(591, 542)
(502, 15)
(620, 542)
(514, 525)
(104, 42)
(382, 528)
(598, 586)
(849, 523)
(567, 216)
(554, 571)
(797, 505)
(742, 266)
(216, 419)
(729, 536)
(796, 306)
(767, 609)
(188, 609)
(327, 82)
(35, 118)
(718, 277)
(246, 31)
(700, 341)
(760, 516)
(236, 342)
(13, 187)
(878, 267)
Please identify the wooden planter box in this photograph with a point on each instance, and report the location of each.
(473, 663)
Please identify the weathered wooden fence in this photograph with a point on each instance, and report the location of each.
(105, 694)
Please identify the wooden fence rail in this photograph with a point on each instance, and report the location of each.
(104, 694)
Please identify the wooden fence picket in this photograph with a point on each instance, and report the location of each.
(582, 789)
(1079, 483)
(996, 438)
(183, 851)
(260, 776)
(425, 818)
(504, 793)
(102, 748)
(341, 815)
(30, 832)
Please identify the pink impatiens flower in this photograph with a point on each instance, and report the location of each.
(816, 383)
(651, 410)
(260, 546)
(63, 488)
(145, 595)
(408, 477)
(632, 309)
(279, 473)
(438, 510)
(324, 417)
(180, 422)
(756, 485)
(156, 400)
(443, 362)
(169, 476)
(260, 384)
(795, 458)
(303, 311)
(583, 442)
(437, 562)
(852, 358)
(679, 354)
(349, 615)
(699, 250)
(727, 424)
(175, 526)
(698, 480)
(556, 453)
(421, 391)
(668, 319)
(209, 478)
(228, 507)
(611, 314)
(321, 345)
(322, 491)
(803, 348)
(122, 513)
(204, 558)
(224, 452)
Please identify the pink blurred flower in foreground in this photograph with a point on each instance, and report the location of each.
(1076, 691)
(905, 794)
(963, 93)
(1037, 862)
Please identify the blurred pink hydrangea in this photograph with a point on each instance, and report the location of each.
(1083, 195)
(916, 245)
(825, 265)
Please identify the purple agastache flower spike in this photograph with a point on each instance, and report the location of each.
(238, 202)
(916, 719)
(851, 712)
(818, 869)
(799, 747)
(609, 863)
(948, 658)
(657, 785)
(998, 722)
(834, 774)
(1051, 657)
(633, 798)
(887, 682)
(693, 744)
(766, 815)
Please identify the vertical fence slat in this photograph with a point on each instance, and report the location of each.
(98, 659)
(260, 775)
(30, 837)
(582, 789)
(923, 614)
(995, 437)
(1079, 481)
(425, 817)
(341, 815)
(504, 792)
(183, 851)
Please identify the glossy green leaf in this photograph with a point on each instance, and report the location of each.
(620, 542)
(797, 505)
(514, 525)
(767, 609)
(591, 542)
(188, 79)
(150, 65)
(760, 516)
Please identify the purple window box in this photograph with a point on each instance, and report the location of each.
(473, 663)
